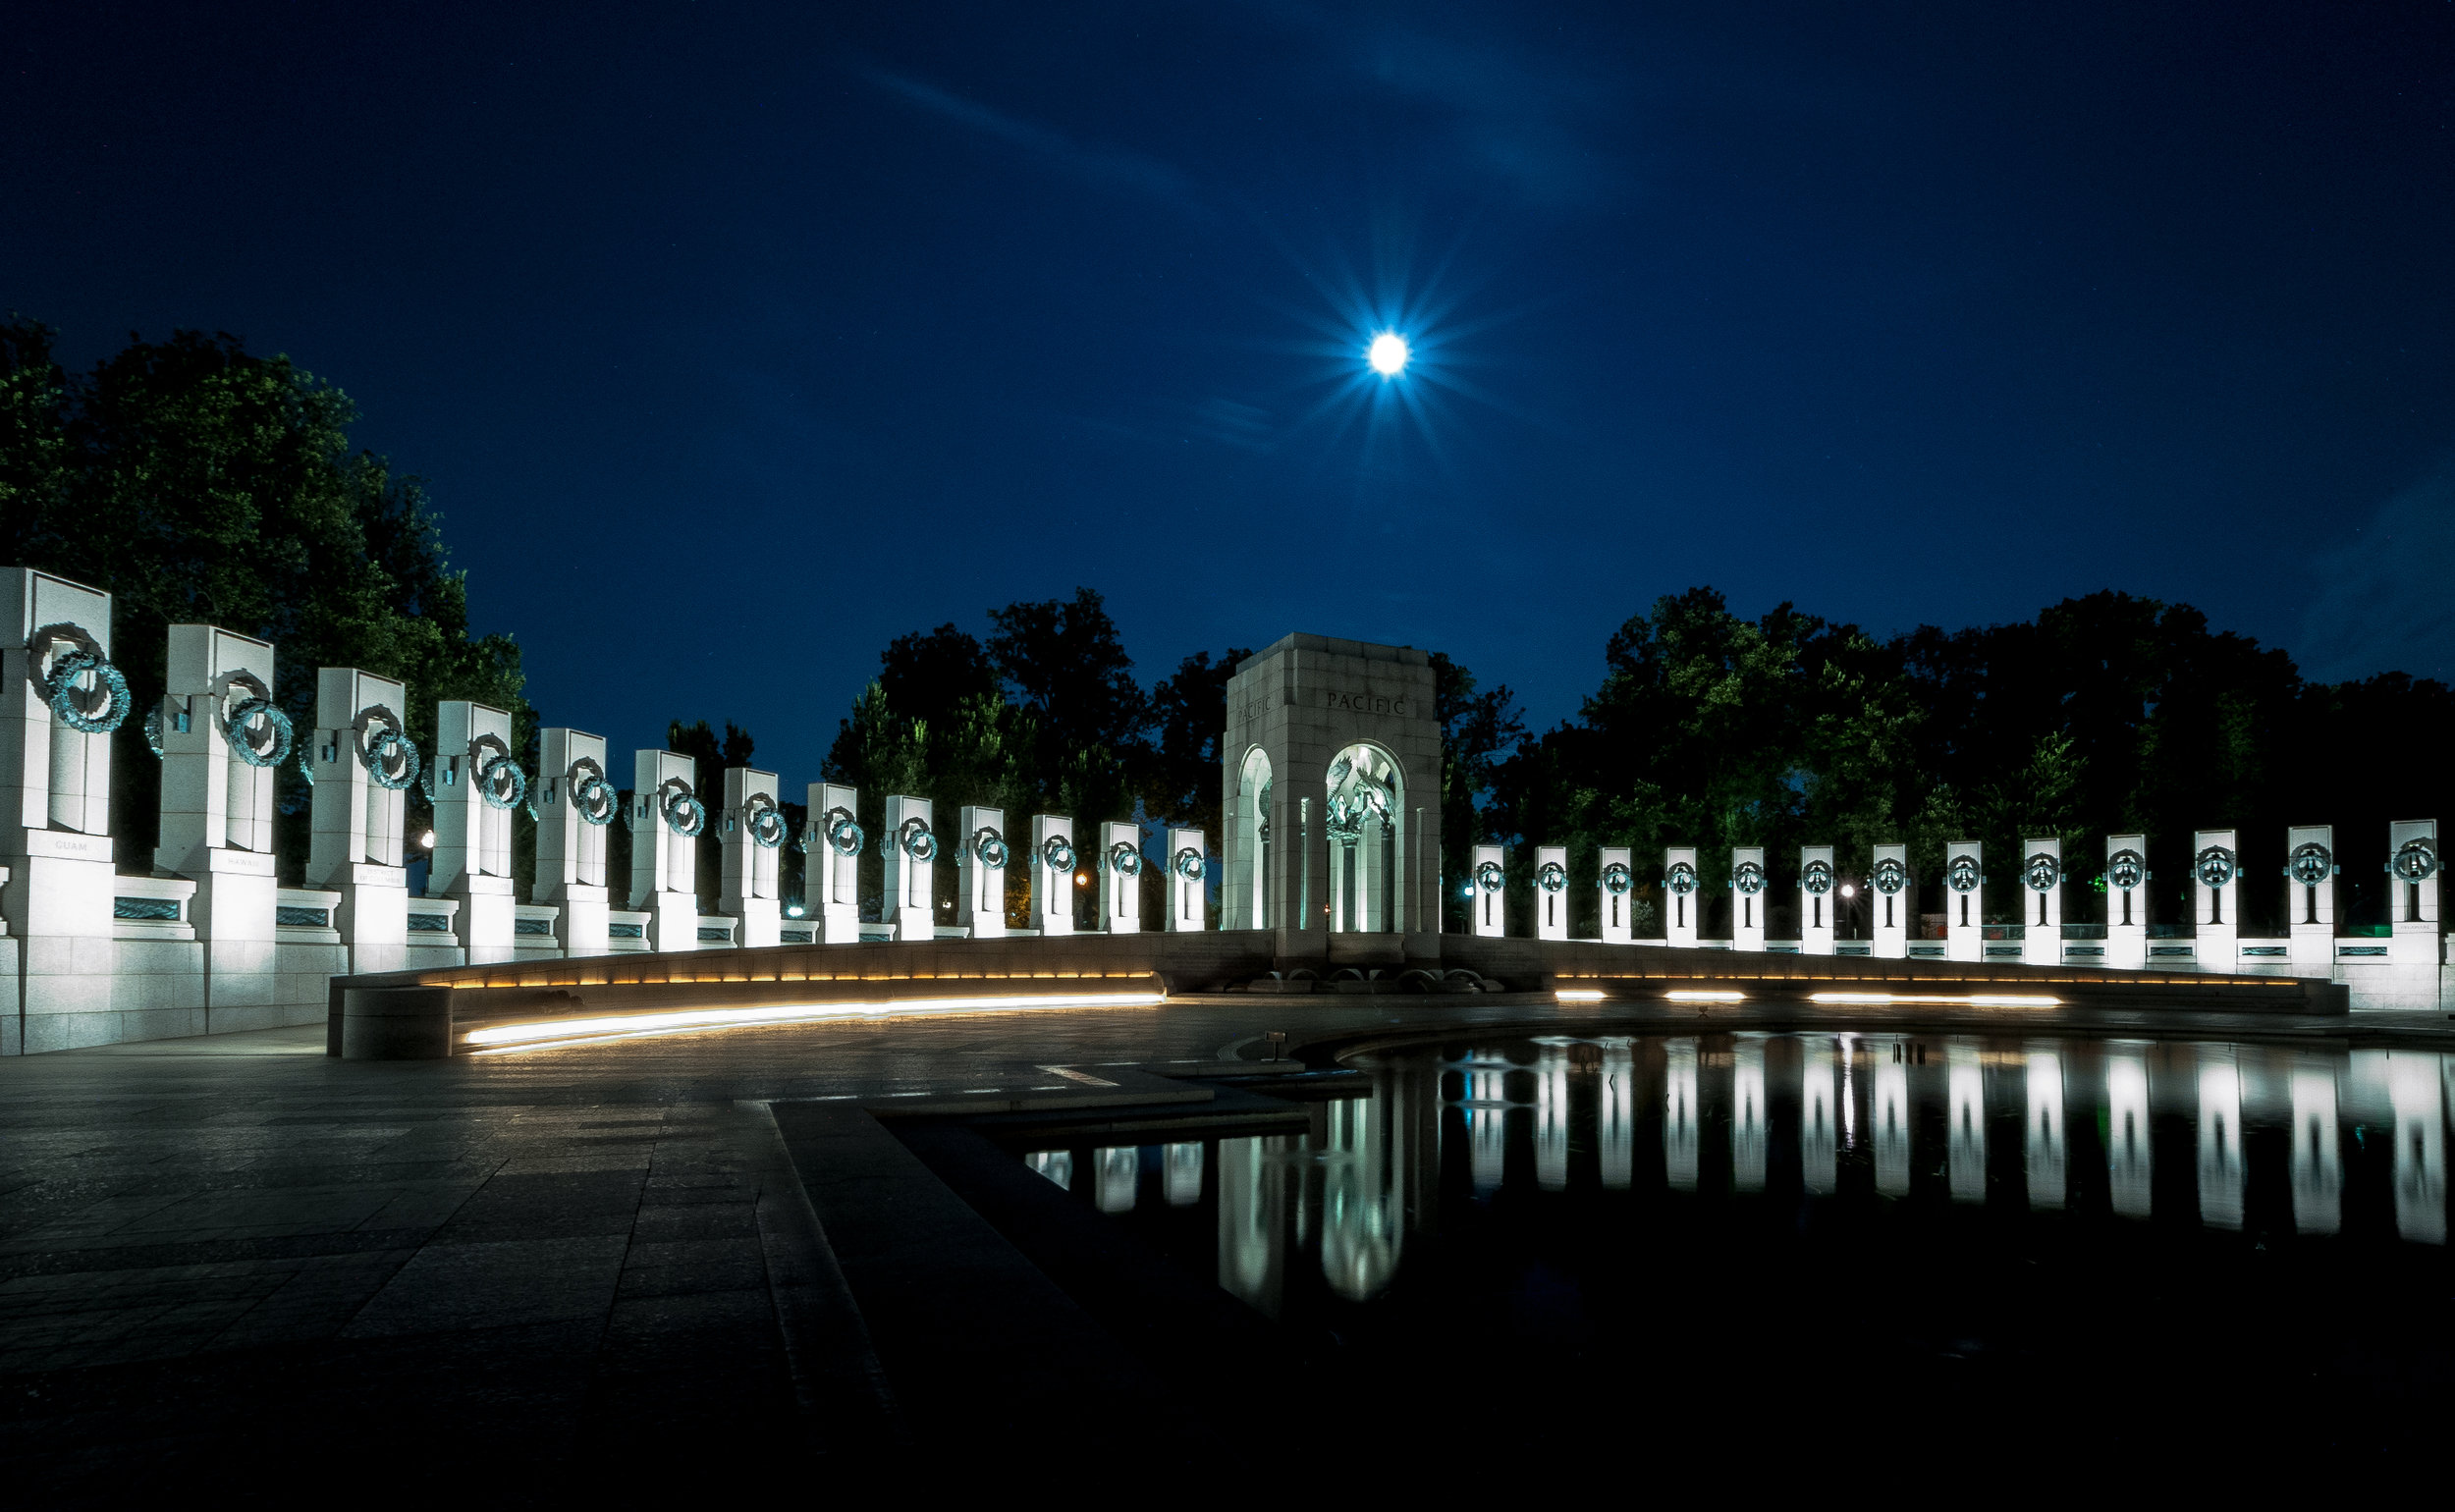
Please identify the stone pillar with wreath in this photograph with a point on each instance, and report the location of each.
(1616, 904)
(2414, 931)
(1120, 859)
(754, 838)
(666, 818)
(363, 764)
(577, 806)
(1750, 889)
(221, 736)
(1819, 899)
(2127, 877)
(831, 871)
(2041, 900)
(63, 698)
(476, 783)
(909, 848)
(1964, 901)
(1052, 861)
(1188, 881)
(980, 900)
(1550, 900)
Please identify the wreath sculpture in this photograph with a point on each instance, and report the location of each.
(239, 722)
(1125, 858)
(2126, 869)
(385, 748)
(498, 778)
(1748, 876)
(1816, 878)
(683, 812)
(989, 848)
(93, 711)
(1189, 864)
(1057, 852)
(1552, 876)
(2311, 864)
(1890, 875)
(763, 820)
(2043, 873)
(591, 796)
(913, 837)
(1680, 878)
(2415, 861)
(1961, 874)
(1617, 879)
(1488, 878)
(2214, 867)
(838, 831)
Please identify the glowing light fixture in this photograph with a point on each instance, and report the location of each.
(1936, 999)
(1849, 890)
(1684, 994)
(502, 1039)
(1389, 353)
(793, 913)
(1579, 995)
(426, 840)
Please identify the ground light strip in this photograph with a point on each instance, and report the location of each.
(503, 1039)
(1974, 999)
(1703, 997)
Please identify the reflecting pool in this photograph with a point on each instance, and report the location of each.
(2142, 1232)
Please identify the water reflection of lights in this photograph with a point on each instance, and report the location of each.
(555, 1034)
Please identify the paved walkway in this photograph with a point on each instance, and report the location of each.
(222, 1254)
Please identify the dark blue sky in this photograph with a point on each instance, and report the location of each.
(818, 325)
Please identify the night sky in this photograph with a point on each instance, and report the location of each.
(736, 340)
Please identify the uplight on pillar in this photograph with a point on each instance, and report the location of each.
(980, 870)
(2042, 890)
(830, 868)
(1892, 903)
(1121, 877)
(1817, 901)
(667, 818)
(1188, 876)
(2412, 893)
(754, 854)
(1964, 902)
(222, 737)
(1551, 893)
(2126, 901)
(1680, 902)
(1489, 900)
(1617, 903)
(910, 845)
(577, 803)
(364, 764)
(1052, 862)
(2215, 891)
(1748, 887)
(2309, 873)
(478, 785)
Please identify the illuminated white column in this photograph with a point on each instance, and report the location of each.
(1681, 1118)
(222, 737)
(910, 847)
(2126, 901)
(2317, 1166)
(2310, 872)
(1052, 862)
(1887, 1117)
(1616, 904)
(1615, 1116)
(2221, 1137)
(980, 873)
(754, 852)
(1489, 900)
(2413, 1090)
(2042, 895)
(1820, 1117)
(1188, 879)
(577, 803)
(2128, 1164)
(2412, 893)
(1892, 903)
(1120, 859)
(1551, 893)
(56, 844)
(2215, 894)
(2048, 1159)
(667, 817)
(1550, 1129)
(831, 874)
(1816, 900)
(1965, 1143)
(477, 784)
(1181, 1164)
(364, 763)
(1964, 901)
(1748, 884)
(1680, 902)
(1750, 1125)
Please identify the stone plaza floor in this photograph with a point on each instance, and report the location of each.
(234, 1257)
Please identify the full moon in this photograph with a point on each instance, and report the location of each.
(1388, 355)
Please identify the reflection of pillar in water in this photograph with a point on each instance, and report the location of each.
(1616, 1118)
(1887, 1117)
(1679, 1115)
(2317, 1168)
(1359, 1224)
(1249, 1222)
(1183, 1166)
(2048, 1162)
(1486, 1128)
(1965, 1084)
(2221, 1137)
(1115, 1169)
(1552, 1120)
(1055, 1164)
(1817, 1132)
(2419, 1147)
(1747, 1115)
(2127, 1130)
